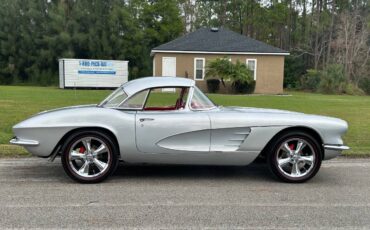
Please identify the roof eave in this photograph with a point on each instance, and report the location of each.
(218, 52)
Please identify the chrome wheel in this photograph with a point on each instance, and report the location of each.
(89, 157)
(295, 157)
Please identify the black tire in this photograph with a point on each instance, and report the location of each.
(274, 150)
(113, 152)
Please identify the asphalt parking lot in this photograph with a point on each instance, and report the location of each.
(37, 194)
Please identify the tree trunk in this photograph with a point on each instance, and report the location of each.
(331, 33)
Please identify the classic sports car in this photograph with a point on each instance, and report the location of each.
(168, 120)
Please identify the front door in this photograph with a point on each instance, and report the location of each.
(169, 69)
(172, 131)
(164, 125)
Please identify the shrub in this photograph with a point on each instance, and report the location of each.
(352, 89)
(333, 80)
(213, 85)
(311, 80)
(244, 87)
(238, 73)
(365, 85)
(294, 68)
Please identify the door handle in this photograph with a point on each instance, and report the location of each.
(146, 119)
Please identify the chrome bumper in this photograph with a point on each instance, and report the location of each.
(336, 147)
(332, 151)
(17, 141)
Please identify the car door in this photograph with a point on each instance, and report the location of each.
(165, 125)
(172, 131)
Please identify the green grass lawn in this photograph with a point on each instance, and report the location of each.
(20, 102)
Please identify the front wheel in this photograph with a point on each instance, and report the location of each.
(89, 156)
(295, 157)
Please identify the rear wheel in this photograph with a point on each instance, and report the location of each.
(295, 157)
(89, 156)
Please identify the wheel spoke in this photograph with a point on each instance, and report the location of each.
(300, 146)
(295, 170)
(287, 148)
(87, 144)
(283, 161)
(85, 168)
(100, 164)
(102, 149)
(77, 156)
(307, 159)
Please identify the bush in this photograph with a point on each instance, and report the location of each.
(352, 89)
(332, 80)
(294, 68)
(213, 85)
(238, 73)
(365, 85)
(244, 87)
(311, 80)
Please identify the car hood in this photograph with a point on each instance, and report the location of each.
(255, 110)
(66, 108)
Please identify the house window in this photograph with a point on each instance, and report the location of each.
(252, 65)
(199, 68)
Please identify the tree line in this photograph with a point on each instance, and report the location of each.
(324, 37)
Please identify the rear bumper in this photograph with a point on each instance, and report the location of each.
(332, 151)
(23, 142)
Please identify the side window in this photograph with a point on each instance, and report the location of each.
(200, 101)
(199, 68)
(137, 101)
(161, 99)
(252, 65)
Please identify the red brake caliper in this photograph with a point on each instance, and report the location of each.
(82, 149)
(291, 146)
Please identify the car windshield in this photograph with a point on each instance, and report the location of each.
(115, 98)
(200, 101)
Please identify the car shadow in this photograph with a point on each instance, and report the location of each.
(252, 172)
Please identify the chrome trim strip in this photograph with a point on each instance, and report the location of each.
(336, 147)
(16, 141)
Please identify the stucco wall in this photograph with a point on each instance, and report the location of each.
(270, 69)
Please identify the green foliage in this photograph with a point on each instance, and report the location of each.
(219, 68)
(365, 85)
(311, 80)
(244, 87)
(332, 80)
(238, 73)
(213, 85)
(293, 71)
(352, 89)
(35, 34)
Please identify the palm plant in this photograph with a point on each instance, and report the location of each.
(219, 68)
(224, 69)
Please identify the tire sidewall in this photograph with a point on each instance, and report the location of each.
(273, 164)
(107, 141)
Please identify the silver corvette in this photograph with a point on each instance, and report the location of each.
(168, 120)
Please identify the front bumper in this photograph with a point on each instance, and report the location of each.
(23, 142)
(332, 151)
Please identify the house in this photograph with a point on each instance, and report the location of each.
(188, 55)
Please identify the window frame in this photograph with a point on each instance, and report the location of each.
(128, 98)
(175, 87)
(255, 67)
(195, 68)
(191, 98)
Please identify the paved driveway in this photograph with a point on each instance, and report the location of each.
(36, 193)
